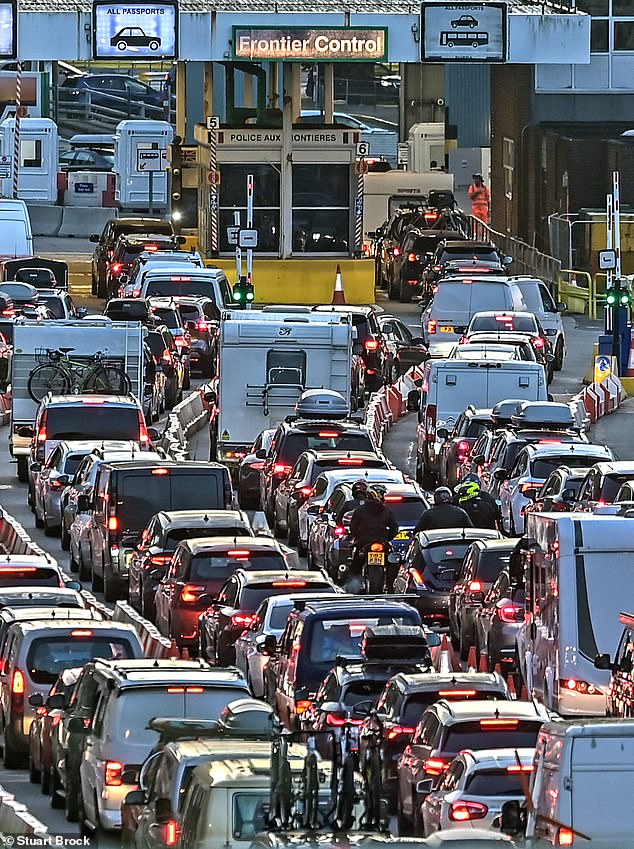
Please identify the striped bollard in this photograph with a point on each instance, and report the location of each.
(16, 135)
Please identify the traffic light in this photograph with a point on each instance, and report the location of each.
(618, 295)
(176, 170)
(243, 292)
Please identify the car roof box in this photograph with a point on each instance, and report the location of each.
(321, 404)
(394, 642)
(503, 411)
(538, 414)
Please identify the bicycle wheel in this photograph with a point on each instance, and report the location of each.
(345, 803)
(110, 380)
(311, 792)
(48, 378)
(373, 788)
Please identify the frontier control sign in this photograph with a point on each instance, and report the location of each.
(299, 44)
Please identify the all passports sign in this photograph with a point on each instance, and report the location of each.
(135, 30)
(298, 44)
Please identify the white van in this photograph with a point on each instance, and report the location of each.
(581, 786)
(449, 386)
(16, 236)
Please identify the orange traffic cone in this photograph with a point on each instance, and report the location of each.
(173, 651)
(338, 296)
(524, 692)
(471, 661)
(498, 669)
(483, 666)
(511, 685)
(185, 653)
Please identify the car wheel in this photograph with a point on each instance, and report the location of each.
(110, 589)
(402, 823)
(23, 469)
(97, 582)
(56, 789)
(404, 293)
(35, 776)
(301, 548)
(187, 380)
(83, 573)
(65, 540)
(278, 530)
(463, 644)
(393, 373)
(39, 523)
(71, 804)
(11, 758)
(46, 781)
(153, 45)
(50, 530)
(559, 356)
(392, 291)
(292, 530)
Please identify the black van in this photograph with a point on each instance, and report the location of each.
(317, 633)
(128, 493)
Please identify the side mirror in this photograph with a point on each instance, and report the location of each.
(210, 397)
(191, 325)
(82, 312)
(530, 494)
(372, 234)
(36, 700)
(130, 776)
(206, 600)
(153, 433)
(433, 639)
(601, 661)
(447, 575)
(442, 433)
(134, 797)
(424, 788)
(314, 509)
(500, 474)
(260, 454)
(478, 459)
(36, 467)
(568, 495)
(357, 348)
(507, 260)
(76, 725)
(561, 307)
(268, 646)
(94, 237)
(157, 574)
(413, 401)
(513, 819)
(55, 702)
(162, 810)
(73, 585)
(63, 480)
(180, 240)
(363, 708)
(418, 342)
(331, 707)
(83, 503)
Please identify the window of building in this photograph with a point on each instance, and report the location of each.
(624, 34)
(599, 36)
(31, 153)
(508, 165)
(266, 202)
(321, 208)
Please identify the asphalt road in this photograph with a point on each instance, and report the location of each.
(398, 446)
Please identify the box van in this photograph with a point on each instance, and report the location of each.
(456, 300)
(449, 386)
(580, 787)
(128, 494)
(16, 236)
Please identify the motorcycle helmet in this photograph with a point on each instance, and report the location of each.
(442, 495)
(467, 490)
(360, 488)
(376, 493)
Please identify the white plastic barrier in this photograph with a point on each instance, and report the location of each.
(15, 818)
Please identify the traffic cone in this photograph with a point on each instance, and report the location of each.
(483, 666)
(511, 686)
(471, 661)
(173, 651)
(444, 657)
(498, 670)
(524, 692)
(338, 296)
(185, 653)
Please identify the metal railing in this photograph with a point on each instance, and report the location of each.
(101, 109)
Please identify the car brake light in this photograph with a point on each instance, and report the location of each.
(438, 268)
(538, 343)
(518, 768)
(371, 344)
(113, 523)
(238, 552)
(302, 705)
(565, 837)
(160, 559)
(328, 434)
(288, 584)
(333, 719)
(180, 279)
(377, 546)
(413, 257)
(393, 498)
(580, 687)
(435, 766)
(258, 465)
(167, 356)
(475, 587)
(281, 469)
(41, 437)
(113, 773)
(528, 485)
(465, 811)
(190, 592)
(397, 730)
(475, 270)
(499, 723)
(396, 251)
(242, 620)
(151, 248)
(462, 694)
(509, 612)
(305, 491)
(431, 216)
(339, 531)
(463, 449)
(81, 633)
(17, 684)
(350, 461)
(418, 578)
(144, 436)
(116, 267)
(160, 472)
(17, 571)
(432, 324)
(55, 484)
(171, 833)
(202, 325)
(41, 711)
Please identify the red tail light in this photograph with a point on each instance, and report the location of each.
(438, 268)
(305, 491)
(574, 684)
(281, 469)
(41, 436)
(393, 499)
(113, 523)
(17, 684)
(114, 770)
(499, 723)
(432, 324)
(465, 811)
(55, 484)
(328, 434)
(160, 559)
(160, 472)
(377, 546)
(431, 216)
(339, 531)
(565, 837)
(144, 437)
(510, 612)
(397, 730)
(238, 552)
(475, 587)
(302, 705)
(539, 342)
(258, 465)
(171, 833)
(430, 422)
(335, 720)
(518, 768)
(202, 325)
(350, 461)
(396, 251)
(418, 578)
(456, 694)
(81, 633)
(435, 766)
(413, 257)
(167, 356)
(371, 344)
(190, 593)
(116, 267)
(242, 620)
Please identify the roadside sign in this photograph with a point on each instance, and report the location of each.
(602, 368)
(5, 166)
(363, 149)
(232, 234)
(607, 260)
(213, 122)
(403, 153)
(248, 238)
(151, 159)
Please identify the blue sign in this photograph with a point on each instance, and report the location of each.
(8, 29)
(135, 30)
(84, 188)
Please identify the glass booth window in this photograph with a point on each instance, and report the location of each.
(31, 153)
(321, 208)
(266, 204)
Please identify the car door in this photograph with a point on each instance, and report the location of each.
(509, 487)
(287, 486)
(90, 765)
(166, 591)
(324, 529)
(222, 613)
(435, 801)
(98, 536)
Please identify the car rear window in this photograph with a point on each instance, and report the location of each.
(345, 463)
(415, 705)
(93, 421)
(72, 463)
(48, 656)
(610, 486)
(279, 616)
(179, 534)
(191, 286)
(542, 468)
(453, 296)
(342, 637)
(444, 555)
(362, 691)
(503, 323)
(406, 512)
(170, 318)
(475, 428)
(490, 564)
(296, 443)
(252, 597)
(486, 254)
(38, 576)
(491, 734)
(144, 492)
(55, 305)
(495, 782)
(156, 344)
(209, 568)
(158, 227)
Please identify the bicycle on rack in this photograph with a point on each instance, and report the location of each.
(59, 374)
(281, 810)
(345, 765)
(372, 772)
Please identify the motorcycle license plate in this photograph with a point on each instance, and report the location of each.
(376, 558)
(446, 328)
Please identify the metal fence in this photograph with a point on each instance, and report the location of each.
(86, 110)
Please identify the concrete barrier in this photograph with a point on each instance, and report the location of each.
(81, 222)
(45, 220)
(153, 642)
(16, 819)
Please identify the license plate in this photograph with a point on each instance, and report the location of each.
(446, 328)
(403, 535)
(376, 558)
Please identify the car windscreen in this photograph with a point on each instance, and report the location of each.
(205, 567)
(610, 486)
(92, 421)
(20, 576)
(416, 704)
(453, 296)
(503, 322)
(190, 286)
(491, 734)
(143, 492)
(542, 467)
(444, 555)
(490, 564)
(343, 637)
(406, 511)
(135, 707)
(48, 656)
(252, 597)
(170, 318)
(179, 534)
(361, 691)
(55, 305)
(496, 782)
(296, 443)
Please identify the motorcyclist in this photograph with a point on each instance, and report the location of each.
(372, 522)
(444, 514)
(481, 507)
(359, 495)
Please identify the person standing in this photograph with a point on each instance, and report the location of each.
(480, 198)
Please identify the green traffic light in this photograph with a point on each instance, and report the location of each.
(625, 299)
(237, 296)
(611, 299)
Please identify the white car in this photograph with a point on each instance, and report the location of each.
(475, 787)
(61, 304)
(323, 489)
(271, 617)
(539, 301)
(532, 466)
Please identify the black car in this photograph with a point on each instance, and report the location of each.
(165, 311)
(431, 566)
(86, 160)
(202, 321)
(455, 450)
(167, 355)
(234, 610)
(452, 249)
(250, 469)
(118, 92)
(405, 349)
(388, 238)
(126, 249)
(369, 343)
(412, 258)
(105, 243)
(134, 37)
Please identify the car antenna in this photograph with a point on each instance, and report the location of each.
(156, 663)
(206, 517)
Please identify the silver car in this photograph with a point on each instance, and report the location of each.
(475, 787)
(51, 478)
